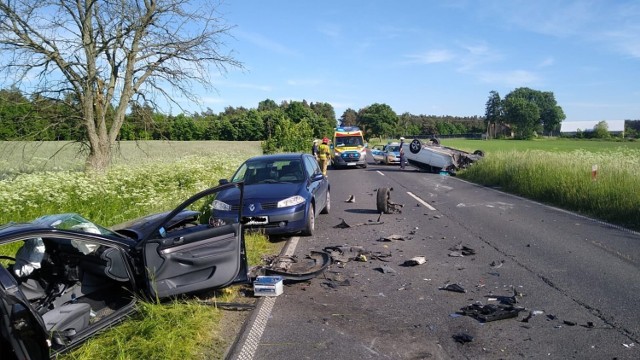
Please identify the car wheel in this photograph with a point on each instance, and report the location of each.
(479, 153)
(382, 200)
(415, 146)
(310, 226)
(327, 205)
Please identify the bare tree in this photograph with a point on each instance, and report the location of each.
(107, 53)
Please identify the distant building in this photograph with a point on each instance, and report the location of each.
(615, 127)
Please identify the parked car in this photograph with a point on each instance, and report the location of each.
(282, 194)
(431, 156)
(387, 153)
(63, 277)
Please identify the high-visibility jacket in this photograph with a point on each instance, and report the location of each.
(323, 151)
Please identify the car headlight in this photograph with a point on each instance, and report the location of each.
(292, 201)
(220, 205)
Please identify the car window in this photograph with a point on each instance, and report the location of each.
(311, 166)
(393, 148)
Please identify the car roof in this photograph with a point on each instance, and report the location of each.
(273, 157)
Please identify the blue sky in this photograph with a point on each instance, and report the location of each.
(433, 57)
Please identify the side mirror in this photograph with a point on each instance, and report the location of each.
(223, 182)
(317, 177)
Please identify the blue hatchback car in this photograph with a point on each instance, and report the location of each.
(282, 195)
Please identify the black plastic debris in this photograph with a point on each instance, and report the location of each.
(293, 268)
(462, 338)
(351, 199)
(454, 288)
(569, 323)
(491, 312)
(343, 225)
(496, 265)
(385, 269)
(462, 249)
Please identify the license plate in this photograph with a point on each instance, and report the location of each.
(258, 220)
(351, 164)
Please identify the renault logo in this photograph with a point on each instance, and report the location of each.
(252, 207)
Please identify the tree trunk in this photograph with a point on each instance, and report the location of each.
(99, 158)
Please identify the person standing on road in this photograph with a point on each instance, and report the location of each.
(323, 155)
(402, 157)
(314, 149)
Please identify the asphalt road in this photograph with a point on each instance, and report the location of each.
(576, 280)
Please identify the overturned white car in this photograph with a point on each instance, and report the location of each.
(431, 156)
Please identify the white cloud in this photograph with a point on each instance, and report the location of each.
(546, 62)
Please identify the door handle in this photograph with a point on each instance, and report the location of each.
(178, 240)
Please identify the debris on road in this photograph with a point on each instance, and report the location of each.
(346, 253)
(390, 238)
(385, 269)
(384, 203)
(343, 225)
(292, 268)
(351, 199)
(497, 265)
(414, 261)
(454, 288)
(462, 338)
(334, 279)
(491, 312)
(461, 250)
(532, 313)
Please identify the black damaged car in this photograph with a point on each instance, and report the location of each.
(64, 278)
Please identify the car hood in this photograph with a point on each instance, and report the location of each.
(261, 192)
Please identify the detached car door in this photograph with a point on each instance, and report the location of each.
(190, 255)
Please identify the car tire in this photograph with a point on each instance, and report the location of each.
(310, 225)
(327, 205)
(415, 146)
(382, 200)
(479, 153)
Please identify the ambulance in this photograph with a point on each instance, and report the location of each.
(349, 148)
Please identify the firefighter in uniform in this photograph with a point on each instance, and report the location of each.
(324, 153)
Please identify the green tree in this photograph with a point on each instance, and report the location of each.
(378, 120)
(550, 114)
(601, 130)
(523, 115)
(493, 113)
(109, 52)
(349, 118)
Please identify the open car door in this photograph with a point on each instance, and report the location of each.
(22, 333)
(190, 255)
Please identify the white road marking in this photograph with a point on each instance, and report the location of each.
(380, 172)
(421, 201)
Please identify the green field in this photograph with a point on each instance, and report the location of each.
(559, 172)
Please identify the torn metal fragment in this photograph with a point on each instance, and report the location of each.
(454, 288)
